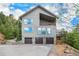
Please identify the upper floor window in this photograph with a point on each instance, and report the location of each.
(28, 21)
(28, 29)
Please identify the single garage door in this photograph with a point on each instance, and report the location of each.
(49, 40)
(38, 40)
(28, 40)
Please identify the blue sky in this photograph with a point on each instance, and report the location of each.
(18, 9)
(21, 6)
(26, 6)
(75, 21)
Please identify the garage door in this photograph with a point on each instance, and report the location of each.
(28, 40)
(49, 40)
(39, 40)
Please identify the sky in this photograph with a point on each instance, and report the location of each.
(66, 12)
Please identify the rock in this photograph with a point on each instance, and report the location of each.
(66, 51)
(2, 39)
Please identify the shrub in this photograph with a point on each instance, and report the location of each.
(71, 38)
(10, 27)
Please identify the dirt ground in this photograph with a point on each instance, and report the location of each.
(60, 50)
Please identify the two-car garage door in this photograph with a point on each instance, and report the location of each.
(39, 40)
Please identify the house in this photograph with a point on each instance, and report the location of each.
(38, 26)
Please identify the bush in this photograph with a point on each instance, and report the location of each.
(71, 38)
(10, 27)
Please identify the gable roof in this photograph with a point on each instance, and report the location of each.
(36, 8)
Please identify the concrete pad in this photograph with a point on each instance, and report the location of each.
(25, 50)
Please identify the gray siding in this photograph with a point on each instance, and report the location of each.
(35, 16)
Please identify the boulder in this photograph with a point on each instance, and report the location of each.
(2, 39)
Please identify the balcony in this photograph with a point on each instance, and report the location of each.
(46, 20)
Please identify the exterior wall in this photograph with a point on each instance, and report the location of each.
(36, 23)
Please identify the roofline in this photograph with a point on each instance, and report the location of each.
(36, 8)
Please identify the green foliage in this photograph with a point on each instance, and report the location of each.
(9, 26)
(77, 9)
(71, 38)
(18, 31)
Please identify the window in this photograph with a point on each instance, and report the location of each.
(48, 31)
(28, 21)
(44, 31)
(39, 31)
(29, 29)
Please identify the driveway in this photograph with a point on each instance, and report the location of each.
(25, 50)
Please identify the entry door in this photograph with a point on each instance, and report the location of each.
(49, 40)
(39, 40)
(28, 40)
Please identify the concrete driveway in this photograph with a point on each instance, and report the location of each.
(25, 50)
